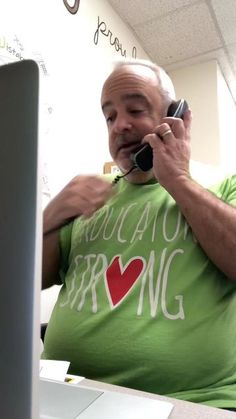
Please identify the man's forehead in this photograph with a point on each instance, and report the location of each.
(129, 79)
(126, 98)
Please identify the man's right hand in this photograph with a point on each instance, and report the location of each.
(82, 196)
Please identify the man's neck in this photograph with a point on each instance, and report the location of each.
(140, 177)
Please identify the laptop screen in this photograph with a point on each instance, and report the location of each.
(20, 240)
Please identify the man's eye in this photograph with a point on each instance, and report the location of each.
(136, 111)
(110, 118)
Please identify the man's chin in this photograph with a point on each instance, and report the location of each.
(125, 165)
(140, 177)
(124, 158)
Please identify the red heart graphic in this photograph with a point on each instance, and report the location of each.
(120, 281)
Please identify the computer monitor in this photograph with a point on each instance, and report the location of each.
(20, 241)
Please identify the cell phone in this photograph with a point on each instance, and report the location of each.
(142, 157)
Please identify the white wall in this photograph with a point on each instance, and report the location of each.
(227, 118)
(78, 68)
(76, 58)
(213, 144)
(198, 84)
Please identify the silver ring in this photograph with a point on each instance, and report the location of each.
(168, 131)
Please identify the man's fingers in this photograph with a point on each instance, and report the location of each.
(188, 116)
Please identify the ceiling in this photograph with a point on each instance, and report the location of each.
(177, 33)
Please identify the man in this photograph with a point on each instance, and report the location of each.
(148, 266)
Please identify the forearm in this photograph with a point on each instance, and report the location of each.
(51, 260)
(53, 218)
(213, 223)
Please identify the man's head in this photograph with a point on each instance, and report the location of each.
(135, 97)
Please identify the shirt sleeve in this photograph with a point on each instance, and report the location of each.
(229, 190)
(226, 190)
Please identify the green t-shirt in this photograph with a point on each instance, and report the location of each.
(141, 305)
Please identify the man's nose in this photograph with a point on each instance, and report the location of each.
(122, 123)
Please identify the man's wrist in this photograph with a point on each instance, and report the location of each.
(178, 185)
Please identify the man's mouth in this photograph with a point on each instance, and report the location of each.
(128, 144)
(129, 147)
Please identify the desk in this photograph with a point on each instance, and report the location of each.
(181, 410)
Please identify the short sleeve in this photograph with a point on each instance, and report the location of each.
(233, 193)
(226, 190)
(229, 192)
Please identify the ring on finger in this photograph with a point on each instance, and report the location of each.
(168, 131)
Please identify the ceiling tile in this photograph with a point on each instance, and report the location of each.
(139, 11)
(221, 56)
(188, 32)
(225, 12)
(192, 27)
(213, 55)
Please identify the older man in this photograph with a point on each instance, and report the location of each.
(148, 265)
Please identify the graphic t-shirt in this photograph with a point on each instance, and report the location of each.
(141, 304)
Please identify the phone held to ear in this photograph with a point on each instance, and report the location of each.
(142, 158)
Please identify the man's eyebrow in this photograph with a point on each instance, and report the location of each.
(126, 97)
(135, 96)
(106, 104)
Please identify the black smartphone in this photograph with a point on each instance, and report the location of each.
(142, 157)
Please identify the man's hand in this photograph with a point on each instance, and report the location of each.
(82, 196)
(171, 151)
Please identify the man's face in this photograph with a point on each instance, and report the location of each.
(132, 106)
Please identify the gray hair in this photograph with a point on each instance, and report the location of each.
(165, 85)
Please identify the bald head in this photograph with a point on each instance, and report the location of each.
(152, 74)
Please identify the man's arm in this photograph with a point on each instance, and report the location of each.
(51, 260)
(51, 246)
(213, 222)
(82, 196)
